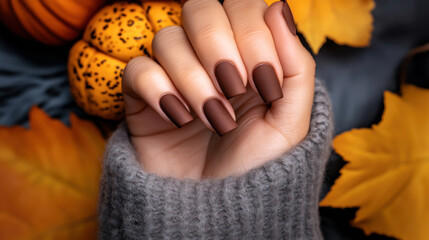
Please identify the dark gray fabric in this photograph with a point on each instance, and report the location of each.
(32, 74)
(278, 200)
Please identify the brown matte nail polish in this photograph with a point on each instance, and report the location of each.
(229, 79)
(287, 13)
(218, 116)
(175, 110)
(267, 83)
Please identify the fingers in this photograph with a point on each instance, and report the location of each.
(210, 33)
(299, 69)
(145, 82)
(234, 43)
(174, 52)
(256, 46)
(222, 47)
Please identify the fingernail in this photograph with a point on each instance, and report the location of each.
(229, 80)
(175, 110)
(267, 83)
(287, 13)
(218, 116)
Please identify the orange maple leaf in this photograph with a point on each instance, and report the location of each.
(344, 22)
(387, 174)
(49, 177)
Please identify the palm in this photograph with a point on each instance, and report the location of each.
(194, 151)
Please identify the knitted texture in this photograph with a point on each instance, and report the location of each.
(278, 200)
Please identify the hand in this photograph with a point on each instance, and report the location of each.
(242, 50)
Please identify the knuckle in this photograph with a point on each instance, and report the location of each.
(166, 36)
(194, 6)
(212, 33)
(244, 27)
(136, 66)
(310, 65)
(137, 69)
(305, 64)
(249, 33)
(236, 4)
(244, 5)
(130, 69)
(198, 25)
(192, 71)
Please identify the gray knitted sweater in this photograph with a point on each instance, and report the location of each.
(278, 200)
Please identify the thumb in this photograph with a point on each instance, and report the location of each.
(291, 114)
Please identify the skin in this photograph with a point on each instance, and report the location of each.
(246, 33)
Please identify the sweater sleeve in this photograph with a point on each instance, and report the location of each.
(278, 200)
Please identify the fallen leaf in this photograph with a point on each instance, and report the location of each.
(387, 174)
(344, 22)
(269, 2)
(49, 177)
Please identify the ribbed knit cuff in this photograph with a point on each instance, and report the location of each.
(278, 200)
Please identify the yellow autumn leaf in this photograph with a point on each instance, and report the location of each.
(344, 22)
(269, 2)
(387, 174)
(49, 177)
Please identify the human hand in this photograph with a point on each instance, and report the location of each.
(259, 123)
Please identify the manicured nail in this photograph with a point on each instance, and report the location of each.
(218, 116)
(229, 80)
(287, 13)
(267, 83)
(175, 110)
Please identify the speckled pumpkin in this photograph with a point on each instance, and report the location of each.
(52, 22)
(115, 35)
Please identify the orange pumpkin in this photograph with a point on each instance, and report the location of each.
(52, 22)
(116, 34)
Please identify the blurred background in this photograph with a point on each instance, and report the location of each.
(32, 73)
